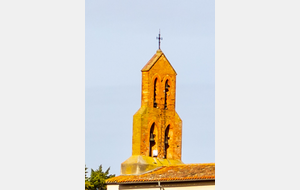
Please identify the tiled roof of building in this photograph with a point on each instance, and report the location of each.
(182, 172)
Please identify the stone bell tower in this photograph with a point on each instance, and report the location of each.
(157, 128)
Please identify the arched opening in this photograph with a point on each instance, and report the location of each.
(152, 139)
(167, 137)
(167, 87)
(155, 93)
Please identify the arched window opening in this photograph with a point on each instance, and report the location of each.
(155, 93)
(152, 140)
(167, 141)
(167, 87)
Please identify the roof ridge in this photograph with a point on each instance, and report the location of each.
(192, 164)
(144, 172)
(154, 59)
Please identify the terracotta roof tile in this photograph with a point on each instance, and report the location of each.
(183, 172)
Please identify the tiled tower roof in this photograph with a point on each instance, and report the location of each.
(153, 60)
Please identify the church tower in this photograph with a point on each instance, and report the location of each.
(157, 128)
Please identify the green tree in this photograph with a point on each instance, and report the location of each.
(86, 172)
(97, 179)
(88, 185)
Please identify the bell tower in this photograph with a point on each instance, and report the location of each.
(157, 128)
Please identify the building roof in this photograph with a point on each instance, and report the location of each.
(182, 172)
(153, 60)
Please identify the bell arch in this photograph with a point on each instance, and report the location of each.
(153, 139)
(166, 141)
(155, 91)
(155, 94)
(167, 87)
(169, 142)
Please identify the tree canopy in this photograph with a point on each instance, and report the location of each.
(97, 179)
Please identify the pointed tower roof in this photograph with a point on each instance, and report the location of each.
(154, 59)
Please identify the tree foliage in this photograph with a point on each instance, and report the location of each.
(97, 179)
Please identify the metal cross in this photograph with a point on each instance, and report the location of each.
(159, 38)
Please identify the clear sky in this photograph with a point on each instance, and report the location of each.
(120, 40)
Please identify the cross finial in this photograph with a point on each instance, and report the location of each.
(159, 38)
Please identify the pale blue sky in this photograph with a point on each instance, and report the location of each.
(120, 39)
